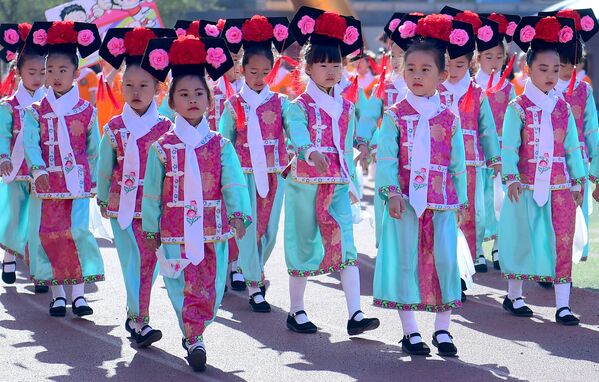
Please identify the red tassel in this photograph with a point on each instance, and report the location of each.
(240, 122)
(296, 79)
(491, 77)
(503, 78)
(229, 91)
(380, 90)
(373, 65)
(467, 104)
(351, 93)
(572, 82)
(274, 72)
(7, 86)
(101, 88)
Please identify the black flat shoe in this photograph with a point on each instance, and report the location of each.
(39, 289)
(545, 284)
(129, 329)
(464, 287)
(197, 359)
(149, 338)
(263, 307)
(446, 349)
(568, 319)
(58, 311)
(83, 310)
(237, 285)
(263, 290)
(495, 257)
(419, 348)
(9, 277)
(358, 327)
(481, 265)
(292, 325)
(523, 311)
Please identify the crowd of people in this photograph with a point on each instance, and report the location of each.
(193, 139)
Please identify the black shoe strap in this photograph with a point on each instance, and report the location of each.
(355, 314)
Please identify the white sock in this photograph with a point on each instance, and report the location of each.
(58, 291)
(199, 344)
(495, 245)
(146, 330)
(409, 325)
(297, 287)
(350, 281)
(562, 298)
(78, 291)
(257, 298)
(442, 320)
(514, 290)
(8, 258)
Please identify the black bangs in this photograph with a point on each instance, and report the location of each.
(531, 54)
(257, 50)
(430, 47)
(318, 53)
(65, 52)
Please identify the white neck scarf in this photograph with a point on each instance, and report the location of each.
(545, 147)
(399, 83)
(17, 155)
(420, 160)
(457, 91)
(254, 136)
(137, 126)
(333, 106)
(61, 106)
(561, 87)
(193, 213)
(482, 79)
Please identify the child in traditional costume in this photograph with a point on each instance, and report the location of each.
(192, 173)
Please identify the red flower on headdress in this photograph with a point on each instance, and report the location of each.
(501, 21)
(137, 40)
(257, 29)
(547, 29)
(24, 29)
(331, 24)
(194, 28)
(435, 26)
(62, 32)
(571, 14)
(471, 18)
(187, 50)
(221, 24)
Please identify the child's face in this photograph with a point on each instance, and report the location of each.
(254, 72)
(422, 74)
(492, 59)
(457, 68)
(363, 66)
(544, 70)
(565, 71)
(60, 73)
(396, 57)
(234, 73)
(139, 88)
(33, 73)
(325, 74)
(190, 98)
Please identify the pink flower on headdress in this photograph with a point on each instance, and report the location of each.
(116, 46)
(351, 35)
(181, 32)
(527, 33)
(587, 23)
(10, 55)
(11, 36)
(40, 37)
(565, 35)
(233, 35)
(407, 30)
(215, 57)
(393, 24)
(458, 37)
(211, 30)
(485, 33)
(306, 24)
(511, 28)
(85, 37)
(281, 32)
(159, 59)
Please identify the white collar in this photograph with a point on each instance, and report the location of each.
(542, 100)
(188, 134)
(561, 86)
(482, 79)
(25, 98)
(426, 106)
(398, 82)
(250, 94)
(65, 103)
(461, 87)
(332, 105)
(140, 125)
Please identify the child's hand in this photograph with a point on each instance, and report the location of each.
(397, 206)
(596, 193)
(320, 161)
(5, 168)
(577, 196)
(239, 227)
(42, 183)
(104, 212)
(364, 157)
(496, 169)
(514, 191)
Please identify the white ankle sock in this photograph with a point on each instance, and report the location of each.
(514, 288)
(257, 298)
(562, 298)
(350, 281)
(495, 245)
(145, 331)
(78, 291)
(195, 346)
(58, 291)
(409, 325)
(442, 320)
(238, 277)
(297, 287)
(8, 258)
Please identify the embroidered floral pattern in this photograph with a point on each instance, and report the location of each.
(68, 281)
(422, 307)
(68, 163)
(138, 318)
(130, 182)
(360, 141)
(593, 179)
(193, 340)
(494, 160)
(247, 219)
(543, 164)
(191, 212)
(420, 179)
(510, 177)
(4, 156)
(334, 268)
(517, 276)
(580, 181)
(386, 190)
(152, 235)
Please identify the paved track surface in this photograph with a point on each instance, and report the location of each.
(243, 345)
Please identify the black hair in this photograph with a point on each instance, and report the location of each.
(26, 55)
(429, 47)
(317, 53)
(175, 82)
(136, 63)
(579, 56)
(532, 54)
(469, 56)
(70, 9)
(257, 50)
(72, 56)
